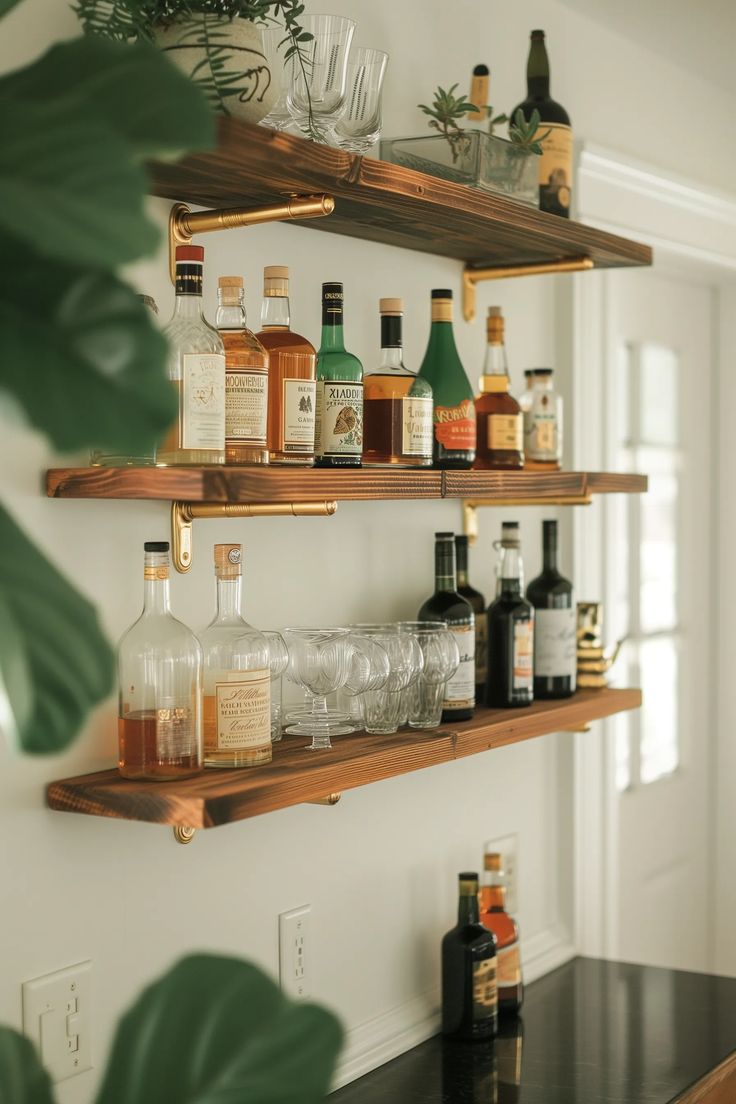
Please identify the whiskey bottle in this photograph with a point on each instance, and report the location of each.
(500, 421)
(291, 371)
(542, 413)
(246, 378)
(454, 412)
(555, 643)
(197, 369)
(457, 613)
(397, 407)
(338, 427)
(494, 916)
(478, 602)
(469, 995)
(510, 634)
(237, 677)
(159, 681)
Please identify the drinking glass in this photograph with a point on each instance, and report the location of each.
(279, 117)
(319, 85)
(318, 662)
(358, 126)
(278, 661)
(423, 699)
(381, 708)
(369, 670)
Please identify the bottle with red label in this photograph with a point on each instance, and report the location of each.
(454, 410)
(510, 632)
(493, 915)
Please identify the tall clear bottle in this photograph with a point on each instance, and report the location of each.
(457, 613)
(197, 370)
(237, 678)
(160, 687)
(454, 411)
(338, 427)
(510, 635)
(246, 378)
(500, 420)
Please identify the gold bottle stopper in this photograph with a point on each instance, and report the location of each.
(494, 326)
(228, 560)
(493, 861)
(230, 289)
(276, 281)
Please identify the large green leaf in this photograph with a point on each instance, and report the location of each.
(56, 662)
(80, 353)
(217, 1031)
(23, 1080)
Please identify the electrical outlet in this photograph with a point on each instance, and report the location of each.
(507, 848)
(294, 963)
(57, 1018)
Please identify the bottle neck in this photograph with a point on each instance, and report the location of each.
(231, 316)
(537, 70)
(495, 368)
(275, 312)
(228, 599)
(445, 579)
(549, 550)
(188, 305)
(461, 558)
(468, 910)
(392, 353)
(156, 598)
(332, 336)
(511, 568)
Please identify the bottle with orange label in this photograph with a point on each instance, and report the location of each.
(500, 418)
(454, 411)
(493, 916)
(510, 632)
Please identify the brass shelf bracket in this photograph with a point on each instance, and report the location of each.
(474, 276)
(183, 833)
(184, 513)
(330, 799)
(185, 223)
(471, 507)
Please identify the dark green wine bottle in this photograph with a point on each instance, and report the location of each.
(457, 613)
(338, 424)
(510, 633)
(454, 409)
(469, 992)
(478, 602)
(555, 645)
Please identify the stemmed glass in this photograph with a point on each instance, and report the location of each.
(318, 662)
(369, 670)
(316, 90)
(423, 699)
(278, 656)
(358, 126)
(279, 117)
(382, 707)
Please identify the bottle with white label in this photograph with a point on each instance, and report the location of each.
(237, 677)
(499, 417)
(542, 411)
(510, 633)
(197, 370)
(555, 654)
(246, 378)
(457, 613)
(338, 427)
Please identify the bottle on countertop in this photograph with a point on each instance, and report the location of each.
(555, 638)
(448, 606)
(493, 914)
(510, 633)
(246, 378)
(478, 602)
(454, 411)
(469, 994)
(500, 421)
(338, 427)
(542, 413)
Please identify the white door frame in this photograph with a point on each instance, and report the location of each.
(693, 232)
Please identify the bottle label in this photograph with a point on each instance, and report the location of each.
(203, 401)
(485, 990)
(481, 649)
(555, 643)
(338, 427)
(298, 415)
(541, 429)
(243, 710)
(416, 426)
(509, 966)
(555, 165)
(454, 426)
(460, 690)
(505, 431)
(523, 653)
(246, 407)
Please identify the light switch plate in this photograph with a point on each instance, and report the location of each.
(294, 951)
(57, 1018)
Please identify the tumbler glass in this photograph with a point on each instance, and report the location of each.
(358, 126)
(381, 708)
(441, 656)
(316, 89)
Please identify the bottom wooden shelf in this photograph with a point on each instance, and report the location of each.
(296, 775)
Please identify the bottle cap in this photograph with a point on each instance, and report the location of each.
(541, 371)
(481, 71)
(441, 293)
(493, 861)
(468, 884)
(156, 546)
(276, 272)
(190, 253)
(332, 290)
(391, 306)
(537, 34)
(228, 560)
(276, 281)
(461, 540)
(444, 536)
(230, 282)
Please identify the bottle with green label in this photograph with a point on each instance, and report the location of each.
(454, 411)
(338, 437)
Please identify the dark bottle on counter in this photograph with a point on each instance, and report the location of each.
(510, 633)
(494, 916)
(478, 602)
(469, 997)
(555, 655)
(454, 410)
(448, 606)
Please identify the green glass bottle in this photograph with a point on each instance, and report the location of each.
(338, 434)
(454, 410)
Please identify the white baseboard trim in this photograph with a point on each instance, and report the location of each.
(377, 1041)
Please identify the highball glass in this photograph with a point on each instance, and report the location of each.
(423, 699)
(358, 126)
(318, 87)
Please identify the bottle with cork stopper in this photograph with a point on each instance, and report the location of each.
(246, 378)
(499, 416)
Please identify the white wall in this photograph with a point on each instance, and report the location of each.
(379, 868)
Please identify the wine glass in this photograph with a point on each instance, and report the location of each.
(316, 89)
(279, 117)
(441, 655)
(278, 657)
(358, 126)
(318, 662)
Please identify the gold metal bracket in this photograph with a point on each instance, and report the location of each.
(330, 799)
(185, 223)
(184, 513)
(473, 276)
(471, 506)
(183, 833)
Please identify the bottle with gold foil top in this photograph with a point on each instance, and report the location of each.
(246, 378)
(159, 681)
(469, 993)
(454, 413)
(494, 916)
(500, 420)
(237, 678)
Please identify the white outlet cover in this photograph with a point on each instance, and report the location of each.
(57, 1018)
(295, 952)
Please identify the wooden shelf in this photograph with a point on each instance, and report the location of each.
(385, 203)
(296, 776)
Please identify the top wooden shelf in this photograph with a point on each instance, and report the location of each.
(386, 203)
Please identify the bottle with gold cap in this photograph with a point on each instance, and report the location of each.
(246, 378)
(397, 407)
(500, 420)
(494, 916)
(454, 413)
(237, 678)
(291, 375)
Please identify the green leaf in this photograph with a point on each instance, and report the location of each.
(61, 663)
(23, 1080)
(6, 6)
(215, 1030)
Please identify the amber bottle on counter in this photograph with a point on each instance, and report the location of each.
(493, 916)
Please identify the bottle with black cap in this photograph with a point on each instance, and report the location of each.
(457, 613)
(469, 993)
(160, 684)
(454, 409)
(510, 632)
(338, 427)
(555, 636)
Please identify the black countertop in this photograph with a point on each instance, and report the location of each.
(593, 1032)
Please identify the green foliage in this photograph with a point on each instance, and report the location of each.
(522, 133)
(23, 1080)
(446, 110)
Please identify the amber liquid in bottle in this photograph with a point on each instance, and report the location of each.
(139, 736)
(498, 414)
(493, 916)
(246, 378)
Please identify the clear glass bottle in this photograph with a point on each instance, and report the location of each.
(397, 404)
(246, 378)
(510, 636)
(542, 412)
(493, 915)
(197, 370)
(160, 688)
(500, 421)
(237, 676)
(338, 427)
(454, 411)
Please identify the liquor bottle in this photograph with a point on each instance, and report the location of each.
(397, 407)
(479, 86)
(160, 684)
(469, 996)
(246, 378)
(500, 421)
(478, 602)
(494, 916)
(338, 427)
(510, 634)
(454, 412)
(555, 652)
(237, 678)
(291, 382)
(509, 529)
(555, 164)
(542, 413)
(457, 613)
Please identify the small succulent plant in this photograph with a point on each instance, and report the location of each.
(523, 134)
